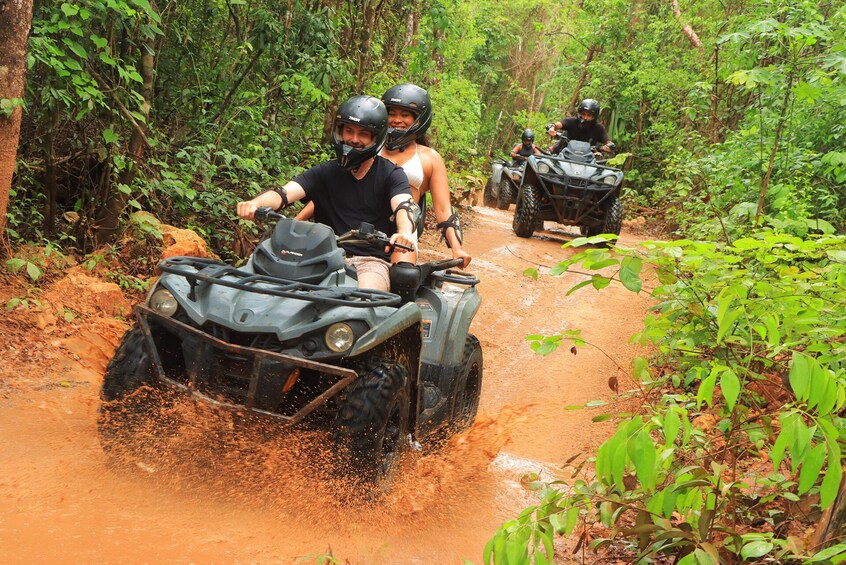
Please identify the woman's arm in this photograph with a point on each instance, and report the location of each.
(442, 204)
(306, 213)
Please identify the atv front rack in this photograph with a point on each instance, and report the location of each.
(267, 370)
(201, 273)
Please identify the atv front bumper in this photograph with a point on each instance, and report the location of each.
(237, 377)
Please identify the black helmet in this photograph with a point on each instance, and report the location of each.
(369, 113)
(589, 105)
(412, 98)
(528, 135)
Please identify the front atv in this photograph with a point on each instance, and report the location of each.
(291, 338)
(570, 188)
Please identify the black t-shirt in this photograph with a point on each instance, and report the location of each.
(343, 202)
(591, 131)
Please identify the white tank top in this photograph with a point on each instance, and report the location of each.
(413, 170)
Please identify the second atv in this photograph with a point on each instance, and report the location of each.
(571, 188)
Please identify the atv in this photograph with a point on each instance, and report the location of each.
(290, 338)
(501, 188)
(572, 188)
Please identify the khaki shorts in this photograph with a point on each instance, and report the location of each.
(372, 266)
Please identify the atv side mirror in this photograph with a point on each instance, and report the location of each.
(366, 229)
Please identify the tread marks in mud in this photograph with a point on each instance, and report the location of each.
(372, 422)
(527, 211)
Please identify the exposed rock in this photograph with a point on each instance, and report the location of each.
(85, 294)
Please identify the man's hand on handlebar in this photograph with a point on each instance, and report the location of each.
(247, 210)
(404, 241)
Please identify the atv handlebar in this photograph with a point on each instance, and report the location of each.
(369, 235)
(265, 213)
(366, 233)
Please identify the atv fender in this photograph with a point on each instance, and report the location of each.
(405, 317)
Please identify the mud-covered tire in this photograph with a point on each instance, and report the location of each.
(503, 199)
(612, 223)
(129, 394)
(467, 399)
(527, 212)
(372, 422)
(488, 197)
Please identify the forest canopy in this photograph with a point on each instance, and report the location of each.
(727, 111)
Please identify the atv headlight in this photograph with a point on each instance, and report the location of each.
(515, 175)
(610, 180)
(339, 337)
(164, 303)
(543, 168)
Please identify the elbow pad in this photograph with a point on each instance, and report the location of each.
(414, 213)
(453, 222)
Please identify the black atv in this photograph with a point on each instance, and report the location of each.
(571, 188)
(291, 338)
(501, 188)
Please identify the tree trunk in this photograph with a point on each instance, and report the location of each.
(106, 228)
(782, 120)
(832, 522)
(583, 76)
(686, 29)
(15, 20)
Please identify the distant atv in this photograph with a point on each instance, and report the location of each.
(291, 338)
(501, 188)
(571, 188)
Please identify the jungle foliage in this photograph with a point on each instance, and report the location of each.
(733, 115)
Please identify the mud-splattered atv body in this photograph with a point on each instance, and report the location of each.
(292, 338)
(501, 188)
(570, 188)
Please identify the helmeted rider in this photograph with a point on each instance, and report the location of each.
(357, 186)
(409, 117)
(583, 127)
(523, 150)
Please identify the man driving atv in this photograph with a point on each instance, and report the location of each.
(521, 152)
(359, 186)
(582, 128)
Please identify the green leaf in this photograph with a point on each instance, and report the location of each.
(630, 268)
(785, 437)
(110, 136)
(757, 548)
(800, 375)
(599, 282)
(576, 287)
(69, 10)
(75, 47)
(811, 467)
(831, 482)
(730, 385)
(531, 272)
(706, 390)
(33, 271)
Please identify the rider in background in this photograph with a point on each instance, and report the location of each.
(521, 152)
(583, 128)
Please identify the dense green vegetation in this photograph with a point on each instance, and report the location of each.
(733, 115)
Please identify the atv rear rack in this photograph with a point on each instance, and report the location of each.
(201, 273)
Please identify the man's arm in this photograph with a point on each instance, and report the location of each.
(274, 198)
(406, 231)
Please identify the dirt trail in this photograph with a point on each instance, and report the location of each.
(61, 503)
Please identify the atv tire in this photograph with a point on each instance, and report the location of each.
(612, 223)
(488, 197)
(503, 199)
(527, 212)
(372, 423)
(130, 398)
(467, 400)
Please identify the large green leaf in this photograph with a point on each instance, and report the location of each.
(630, 268)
